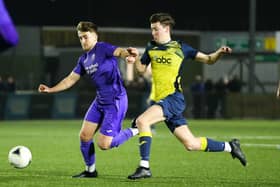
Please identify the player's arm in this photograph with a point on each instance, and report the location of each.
(135, 58)
(124, 53)
(121, 52)
(66, 83)
(130, 54)
(141, 68)
(212, 58)
(278, 91)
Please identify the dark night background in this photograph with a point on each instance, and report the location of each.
(203, 15)
(47, 54)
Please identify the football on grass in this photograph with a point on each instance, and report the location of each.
(20, 156)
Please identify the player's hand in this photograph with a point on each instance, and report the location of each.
(130, 59)
(43, 88)
(225, 49)
(133, 55)
(133, 51)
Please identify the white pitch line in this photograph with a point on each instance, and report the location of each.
(260, 137)
(277, 146)
(250, 137)
(237, 136)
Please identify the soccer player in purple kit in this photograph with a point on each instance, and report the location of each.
(108, 109)
(8, 34)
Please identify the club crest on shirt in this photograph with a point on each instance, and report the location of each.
(89, 58)
(92, 57)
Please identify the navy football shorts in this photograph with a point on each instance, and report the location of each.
(173, 107)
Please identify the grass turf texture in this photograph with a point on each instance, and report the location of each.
(56, 156)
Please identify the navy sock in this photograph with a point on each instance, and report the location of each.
(214, 146)
(145, 146)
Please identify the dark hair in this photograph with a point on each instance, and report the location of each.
(85, 26)
(163, 18)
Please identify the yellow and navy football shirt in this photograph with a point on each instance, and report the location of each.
(166, 63)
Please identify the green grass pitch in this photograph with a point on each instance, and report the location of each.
(56, 156)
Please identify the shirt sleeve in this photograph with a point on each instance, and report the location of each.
(109, 49)
(79, 69)
(189, 52)
(145, 59)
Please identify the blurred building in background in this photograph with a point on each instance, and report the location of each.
(49, 49)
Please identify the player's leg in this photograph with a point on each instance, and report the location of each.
(193, 143)
(106, 142)
(87, 149)
(111, 133)
(8, 33)
(89, 127)
(151, 116)
(8, 36)
(278, 91)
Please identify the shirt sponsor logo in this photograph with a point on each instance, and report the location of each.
(162, 60)
(91, 68)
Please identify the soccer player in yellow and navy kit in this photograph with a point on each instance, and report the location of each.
(166, 57)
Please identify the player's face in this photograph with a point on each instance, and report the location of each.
(160, 32)
(87, 39)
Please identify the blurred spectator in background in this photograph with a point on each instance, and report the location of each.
(210, 99)
(197, 90)
(8, 33)
(146, 88)
(10, 85)
(2, 85)
(143, 84)
(235, 84)
(221, 88)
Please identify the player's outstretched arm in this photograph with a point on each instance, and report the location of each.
(66, 83)
(278, 91)
(212, 58)
(43, 88)
(135, 58)
(133, 55)
(129, 55)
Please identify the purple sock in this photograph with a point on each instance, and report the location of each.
(88, 151)
(122, 137)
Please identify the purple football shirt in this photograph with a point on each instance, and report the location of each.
(102, 67)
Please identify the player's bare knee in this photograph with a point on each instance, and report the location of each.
(104, 145)
(85, 137)
(189, 146)
(140, 122)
